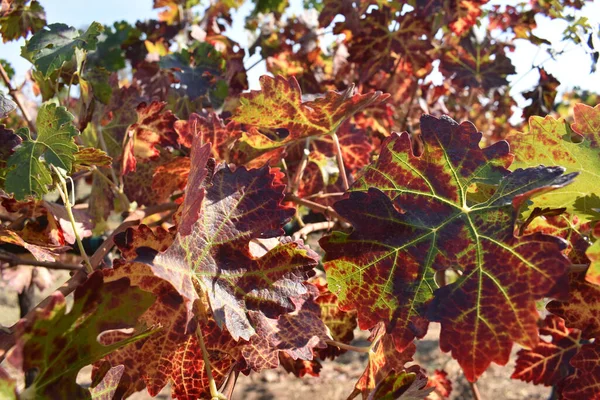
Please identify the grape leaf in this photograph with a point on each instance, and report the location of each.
(295, 334)
(472, 63)
(341, 324)
(299, 368)
(88, 157)
(54, 45)
(585, 382)
(9, 140)
(550, 142)
(582, 309)
(198, 71)
(412, 216)
(542, 96)
(211, 129)
(384, 359)
(442, 386)
(153, 127)
(213, 252)
(21, 18)
(593, 254)
(28, 172)
(6, 106)
(279, 105)
(170, 177)
(409, 384)
(548, 362)
(59, 344)
(158, 360)
(112, 385)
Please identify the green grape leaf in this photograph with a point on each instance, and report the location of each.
(21, 18)
(51, 47)
(413, 216)
(29, 173)
(550, 141)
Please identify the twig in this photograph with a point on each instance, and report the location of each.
(348, 346)
(324, 195)
(475, 391)
(340, 161)
(314, 227)
(301, 167)
(328, 211)
(13, 261)
(13, 94)
(578, 267)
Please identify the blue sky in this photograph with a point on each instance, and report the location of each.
(572, 68)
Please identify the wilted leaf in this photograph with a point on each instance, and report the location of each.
(409, 384)
(412, 216)
(542, 96)
(88, 157)
(6, 106)
(29, 173)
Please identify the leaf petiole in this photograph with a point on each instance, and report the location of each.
(214, 392)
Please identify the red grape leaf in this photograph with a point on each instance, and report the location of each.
(585, 382)
(464, 14)
(211, 130)
(442, 386)
(548, 362)
(236, 207)
(475, 64)
(112, 386)
(409, 384)
(153, 127)
(299, 367)
(8, 141)
(40, 252)
(384, 359)
(542, 97)
(58, 344)
(593, 254)
(295, 334)
(564, 226)
(279, 105)
(582, 309)
(412, 216)
(170, 177)
(587, 122)
(341, 324)
(159, 359)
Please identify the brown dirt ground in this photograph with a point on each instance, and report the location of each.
(338, 377)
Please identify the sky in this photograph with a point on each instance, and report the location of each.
(572, 68)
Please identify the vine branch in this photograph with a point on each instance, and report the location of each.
(13, 93)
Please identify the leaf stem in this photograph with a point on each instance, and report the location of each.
(13, 94)
(328, 211)
(475, 391)
(348, 346)
(214, 392)
(340, 161)
(302, 166)
(64, 194)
